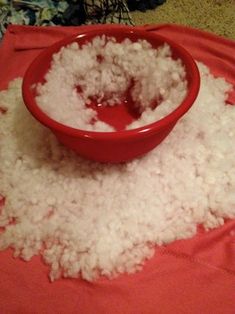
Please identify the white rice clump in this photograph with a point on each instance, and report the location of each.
(89, 219)
(104, 70)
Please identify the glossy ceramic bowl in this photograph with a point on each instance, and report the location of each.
(121, 145)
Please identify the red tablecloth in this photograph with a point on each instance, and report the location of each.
(191, 276)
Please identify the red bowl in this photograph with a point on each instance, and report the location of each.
(121, 145)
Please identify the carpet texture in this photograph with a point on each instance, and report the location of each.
(217, 16)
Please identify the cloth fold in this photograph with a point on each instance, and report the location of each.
(188, 276)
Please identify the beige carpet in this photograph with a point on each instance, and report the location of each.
(216, 16)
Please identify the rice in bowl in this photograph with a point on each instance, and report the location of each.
(104, 71)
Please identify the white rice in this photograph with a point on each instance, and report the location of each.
(88, 219)
(105, 69)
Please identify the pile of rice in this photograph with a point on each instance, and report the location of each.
(105, 70)
(88, 219)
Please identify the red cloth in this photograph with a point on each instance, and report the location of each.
(189, 276)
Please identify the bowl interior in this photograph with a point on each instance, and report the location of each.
(121, 115)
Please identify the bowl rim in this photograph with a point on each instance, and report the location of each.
(147, 129)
